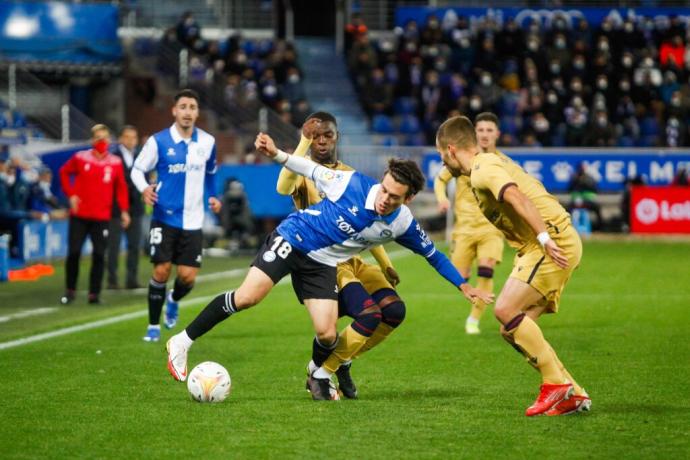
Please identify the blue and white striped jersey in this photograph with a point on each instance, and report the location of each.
(346, 223)
(185, 168)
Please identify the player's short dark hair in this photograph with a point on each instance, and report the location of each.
(323, 116)
(406, 172)
(128, 128)
(486, 116)
(190, 93)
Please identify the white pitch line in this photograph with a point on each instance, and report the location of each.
(127, 316)
(116, 319)
(24, 314)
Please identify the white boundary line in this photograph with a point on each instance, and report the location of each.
(137, 314)
(120, 318)
(26, 313)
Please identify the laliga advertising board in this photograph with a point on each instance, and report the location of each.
(660, 210)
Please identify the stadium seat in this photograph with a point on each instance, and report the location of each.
(404, 105)
(649, 126)
(409, 124)
(382, 124)
(415, 140)
(626, 141)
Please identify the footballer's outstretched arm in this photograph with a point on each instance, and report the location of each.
(303, 166)
(287, 179)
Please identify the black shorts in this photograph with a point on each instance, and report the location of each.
(310, 279)
(170, 244)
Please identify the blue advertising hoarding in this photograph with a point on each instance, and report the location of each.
(59, 31)
(610, 170)
(594, 15)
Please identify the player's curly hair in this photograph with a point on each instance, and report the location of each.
(406, 172)
(323, 116)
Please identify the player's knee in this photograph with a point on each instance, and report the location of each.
(327, 336)
(161, 272)
(187, 278)
(394, 313)
(366, 322)
(485, 272)
(353, 299)
(504, 311)
(245, 299)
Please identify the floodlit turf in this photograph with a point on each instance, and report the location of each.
(430, 391)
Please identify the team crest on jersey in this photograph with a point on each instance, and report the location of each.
(331, 175)
(171, 152)
(386, 233)
(200, 151)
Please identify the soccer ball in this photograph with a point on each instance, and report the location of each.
(209, 382)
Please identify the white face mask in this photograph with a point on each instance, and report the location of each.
(9, 180)
(541, 125)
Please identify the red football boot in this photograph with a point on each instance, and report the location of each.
(549, 395)
(576, 403)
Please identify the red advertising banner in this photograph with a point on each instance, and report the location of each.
(660, 210)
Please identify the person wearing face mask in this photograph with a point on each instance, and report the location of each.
(601, 132)
(92, 179)
(292, 89)
(42, 198)
(559, 51)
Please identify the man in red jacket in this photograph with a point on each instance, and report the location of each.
(98, 179)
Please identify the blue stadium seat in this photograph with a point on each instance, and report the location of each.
(415, 140)
(626, 141)
(382, 124)
(409, 124)
(649, 126)
(404, 105)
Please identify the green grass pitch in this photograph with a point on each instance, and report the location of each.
(430, 391)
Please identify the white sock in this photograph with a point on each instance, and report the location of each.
(471, 320)
(321, 373)
(155, 326)
(311, 367)
(186, 341)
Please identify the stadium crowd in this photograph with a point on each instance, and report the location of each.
(235, 76)
(622, 83)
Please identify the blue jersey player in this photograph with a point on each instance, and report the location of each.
(184, 158)
(357, 214)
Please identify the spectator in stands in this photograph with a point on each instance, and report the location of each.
(601, 132)
(576, 120)
(292, 89)
(377, 94)
(42, 198)
(127, 149)
(675, 133)
(354, 29)
(672, 52)
(12, 210)
(188, 30)
(98, 179)
(583, 194)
